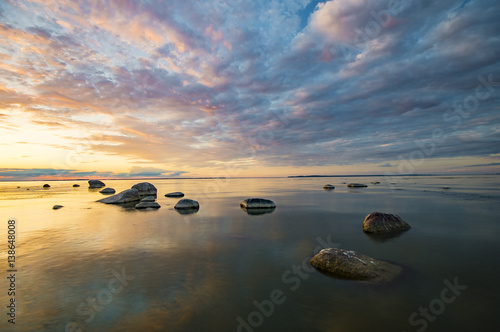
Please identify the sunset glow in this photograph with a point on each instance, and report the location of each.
(118, 89)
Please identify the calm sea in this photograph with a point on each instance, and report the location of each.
(95, 267)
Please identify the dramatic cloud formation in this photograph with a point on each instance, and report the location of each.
(166, 88)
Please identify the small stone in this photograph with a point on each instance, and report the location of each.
(145, 189)
(379, 222)
(257, 203)
(129, 195)
(56, 207)
(187, 204)
(76, 185)
(348, 264)
(46, 185)
(356, 185)
(175, 194)
(375, 182)
(107, 191)
(328, 187)
(93, 184)
(145, 205)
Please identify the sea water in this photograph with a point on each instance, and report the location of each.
(90, 266)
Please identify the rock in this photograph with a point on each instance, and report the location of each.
(379, 222)
(356, 185)
(445, 187)
(375, 182)
(56, 207)
(96, 184)
(328, 187)
(145, 205)
(347, 264)
(107, 191)
(148, 199)
(257, 203)
(187, 204)
(46, 185)
(76, 185)
(129, 195)
(18, 186)
(145, 188)
(175, 194)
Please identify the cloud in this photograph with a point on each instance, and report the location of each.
(483, 165)
(146, 171)
(285, 83)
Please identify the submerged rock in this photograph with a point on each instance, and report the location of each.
(175, 194)
(93, 184)
(356, 185)
(145, 205)
(187, 204)
(328, 187)
(76, 185)
(145, 188)
(46, 185)
(56, 207)
(375, 182)
(148, 199)
(107, 191)
(348, 264)
(129, 195)
(379, 222)
(257, 203)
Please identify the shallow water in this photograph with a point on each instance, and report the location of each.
(204, 271)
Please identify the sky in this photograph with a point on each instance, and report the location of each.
(177, 88)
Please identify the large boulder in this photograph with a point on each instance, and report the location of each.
(257, 203)
(96, 184)
(379, 222)
(129, 195)
(107, 191)
(347, 264)
(145, 189)
(175, 194)
(187, 204)
(145, 205)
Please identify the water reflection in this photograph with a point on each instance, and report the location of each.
(257, 212)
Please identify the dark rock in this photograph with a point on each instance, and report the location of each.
(379, 222)
(145, 189)
(145, 205)
(375, 182)
(76, 185)
(187, 204)
(46, 185)
(93, 184)
(356, 185)
(126, 196)
(175, 194)
(328, 187)
(347, 264)
(257, 203)
(148, 199)
(107, 191)
(56, 207)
